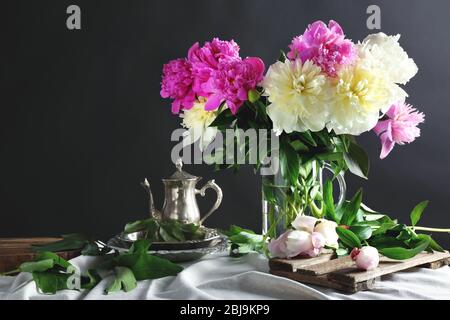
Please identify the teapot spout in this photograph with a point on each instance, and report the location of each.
(151, 204)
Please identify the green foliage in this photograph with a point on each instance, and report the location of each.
(357, 160)
(73, 241)
(243, 241)
(167, 230)
(51, 272)
(144, 265)
(399, 253)
(416, 213)
(289, 163)
(350, 210)
(348, 238)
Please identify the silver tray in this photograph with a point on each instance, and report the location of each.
(174, 251)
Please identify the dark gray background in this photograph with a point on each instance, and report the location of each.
(82, 121)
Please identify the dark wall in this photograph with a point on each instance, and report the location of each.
(82, 121)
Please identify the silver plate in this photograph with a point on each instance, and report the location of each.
(175, 251)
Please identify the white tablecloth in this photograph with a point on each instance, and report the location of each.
(247, 277)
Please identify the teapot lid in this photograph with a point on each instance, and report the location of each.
(180, 174)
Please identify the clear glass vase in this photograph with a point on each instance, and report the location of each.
(282, 203)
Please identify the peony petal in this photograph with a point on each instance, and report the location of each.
(318, 240)
(305, 223)
(257, 64)
(386, 146)
(213, 102)
(176, 104)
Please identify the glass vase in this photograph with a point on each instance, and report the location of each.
(282, 203)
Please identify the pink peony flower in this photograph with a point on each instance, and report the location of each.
(325, 46)
(177, 84)
(206, 59)
(232, 81)
(366, 258)
(399, 126)
(294, 243)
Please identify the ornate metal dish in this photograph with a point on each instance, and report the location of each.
(174, 251)
(211, 238)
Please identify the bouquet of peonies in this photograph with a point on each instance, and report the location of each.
(317, 98)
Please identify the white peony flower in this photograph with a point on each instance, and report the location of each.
(328, 230)
(297, 94)
(197, 121)
(360, 93)
(304, 223)
(387, 55)
(298, 242)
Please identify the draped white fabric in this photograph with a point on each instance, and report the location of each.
(223, 277)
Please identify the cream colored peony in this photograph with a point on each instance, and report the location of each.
(360, 93)
(386, 54)
(297, 94)
(197, 121)
(328, 230)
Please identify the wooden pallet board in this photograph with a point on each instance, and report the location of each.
(14, 251)
(342, 274)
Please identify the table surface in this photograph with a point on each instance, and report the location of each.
(222, 277)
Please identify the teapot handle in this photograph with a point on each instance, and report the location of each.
(211, 184)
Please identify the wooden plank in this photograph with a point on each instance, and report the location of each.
(293, 265)
(436, 264)
(21, 245)
(324, 282)
(353, 276)
(327, 267)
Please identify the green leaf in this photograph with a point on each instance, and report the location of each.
(150, 225)
(357, 160)
(348, 238)
(192, 231)
(386, 242)
(91, 279)
(328, 200)
(243, 241)
(384, 227)
(416, 213)
(225, 118)
(340, 252)
(290, 163)
(282, 56)
(308, 138)
(362, 232)
(399, 253)
(41, 265)
(166, 236)
(173, 229)
(50, 282)
(433, 244)
(351, 209)
(72, 241)
(57, 260)
(124, 279)
(299, 146)
(144, 265)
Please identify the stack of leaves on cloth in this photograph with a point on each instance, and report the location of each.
(51, 273)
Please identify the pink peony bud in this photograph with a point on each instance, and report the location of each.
(366, 258)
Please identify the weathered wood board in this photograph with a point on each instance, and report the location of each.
(14, 251)
(342, 274)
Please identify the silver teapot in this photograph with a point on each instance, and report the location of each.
(180, 201)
